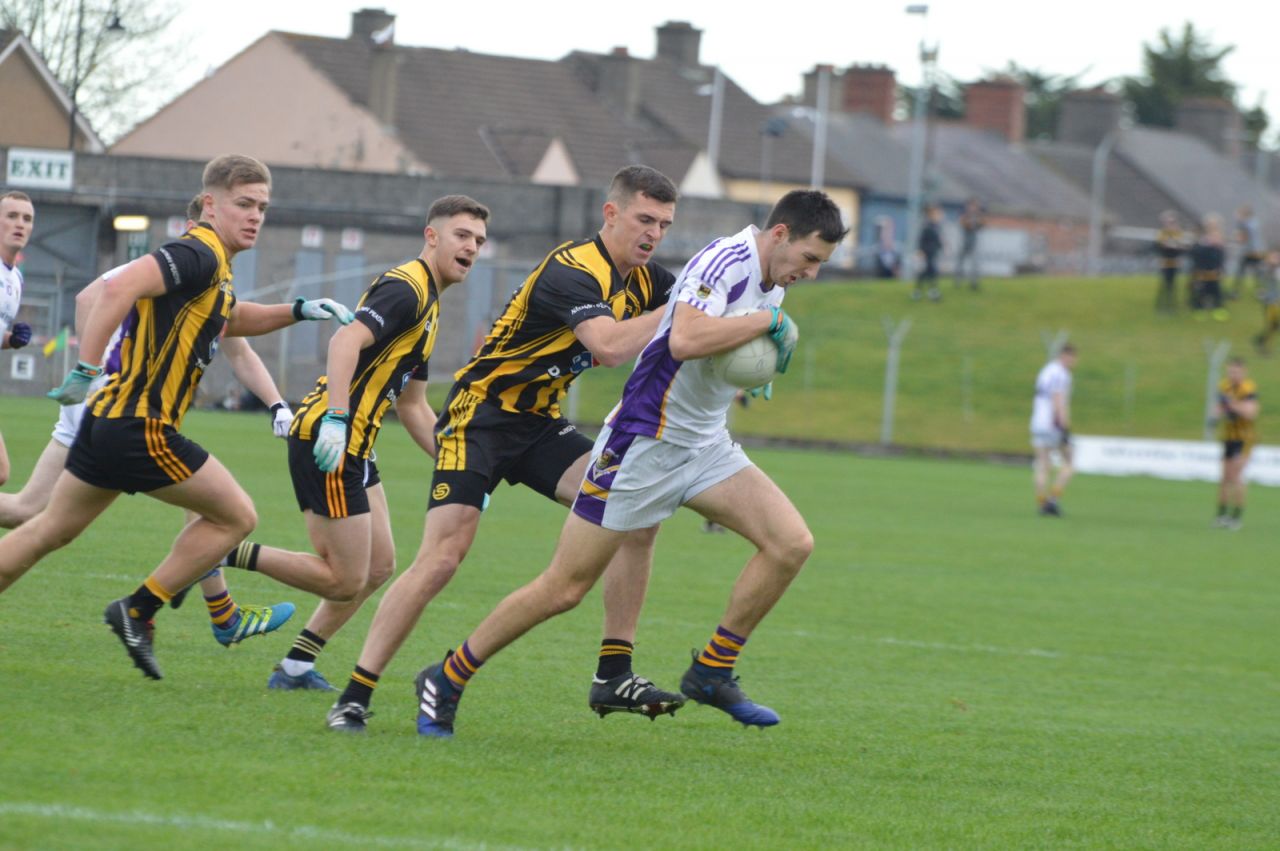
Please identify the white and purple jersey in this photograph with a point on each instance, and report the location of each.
(10, 296)
(681, 402)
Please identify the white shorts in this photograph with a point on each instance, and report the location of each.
(1050, 438)
(634, 482)
(64, 430)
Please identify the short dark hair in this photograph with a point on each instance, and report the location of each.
(230, 170)
(641, 180)
(16, 195)
(806, 211)
(196, 208)
(453, 205)
(1067, 349)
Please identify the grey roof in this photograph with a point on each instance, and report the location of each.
(1196, 176)
(1004, 177)
(476, 115)
(1129, 196)
(871, 151)
(671, 107)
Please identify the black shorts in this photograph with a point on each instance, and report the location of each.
(132, 454)
(479, 444)
(1235, 448)
(342, 493)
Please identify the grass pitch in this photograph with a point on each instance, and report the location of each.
(952, 671)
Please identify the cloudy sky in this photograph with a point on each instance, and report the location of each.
(768, 53)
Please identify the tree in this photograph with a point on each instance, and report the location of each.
(945, 98)
(1043, 96)
(122, 73)
(1174, 69)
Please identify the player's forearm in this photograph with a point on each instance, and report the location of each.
(250, 371)
(344, 352)
(694, 334)
(104, 317)
(419, 420)
(250, 319)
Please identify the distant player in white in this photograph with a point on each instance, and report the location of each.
(17, 217)
(1051, 429)
(666, 445)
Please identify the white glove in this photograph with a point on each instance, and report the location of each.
(321, 308)
(331, 440)
(281, 419)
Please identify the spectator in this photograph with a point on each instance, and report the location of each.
(1171, 244)
(1207, 259)
(972, 220)
(1269, 295)
(1248, 235)
(929, 247)
(886, 249)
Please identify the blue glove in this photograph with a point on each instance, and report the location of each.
(19, 335)
(331, 441)
(785, 334)
(76, 385)
(766, 389)
(321, 308)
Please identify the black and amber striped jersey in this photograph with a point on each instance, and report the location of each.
(167, 341)
(401, 309)
(1233, 426)
(531, 354)
(1207, 259)
(1170, 245)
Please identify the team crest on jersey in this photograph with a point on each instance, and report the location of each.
(704, 291)
(581, 362)
(440, 491)
(606, 459)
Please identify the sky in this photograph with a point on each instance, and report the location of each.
(767, 54)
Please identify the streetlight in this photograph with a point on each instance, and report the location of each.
(915, 188)
(818, 165)
(1097, 195)
(113, 27)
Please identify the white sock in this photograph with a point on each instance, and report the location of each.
(296, 667)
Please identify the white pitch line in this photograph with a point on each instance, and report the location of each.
(955, 648)
(310, 833)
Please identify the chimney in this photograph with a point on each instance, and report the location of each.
(997, 105)
(833, 87)
(678, 42)
(1088, 115)
(1213, 120)
(870, 89)
(374, 26)
(618, 82)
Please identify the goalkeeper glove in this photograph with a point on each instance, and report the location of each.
(331, 441)
(785, 334)
(76, 385)
(281, 418)
(19, 335)
(321, 308)
(767, 390)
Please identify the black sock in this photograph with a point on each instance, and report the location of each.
(143, 604)
(1237, 511)
(1222, 509)
(360, 687)
(615, 658)
(244, 557)
(306, 647)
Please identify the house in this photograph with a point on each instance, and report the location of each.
(28, 89)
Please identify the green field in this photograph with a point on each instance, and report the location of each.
(969, 364)
(952, 672)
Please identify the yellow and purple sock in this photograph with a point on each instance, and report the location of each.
(461, 666)
(223, 610)
(721, 652)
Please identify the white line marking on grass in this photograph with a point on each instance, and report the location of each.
(331, 838)
(957, 648)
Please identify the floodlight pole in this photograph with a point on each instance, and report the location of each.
(1097, 194)
(915, 178)
(1217, 354)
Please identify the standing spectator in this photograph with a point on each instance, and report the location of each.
(886, 249)
(929, 246)
(972, 220)
(1170, 246)
(1269, 295)
(1248, 235)
(1207, 259)
(1236, 413)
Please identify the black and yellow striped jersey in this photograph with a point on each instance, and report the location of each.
(1170, 245)
(531, 354)
(168, 341)
(401, 309)
(1233, 426)
(1207, 259)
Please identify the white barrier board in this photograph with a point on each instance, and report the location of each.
(1168, 459)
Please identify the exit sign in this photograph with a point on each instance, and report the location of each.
(40, 169)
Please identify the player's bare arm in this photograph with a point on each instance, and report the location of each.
(417, 417)
(140, 279)
(694, 334)
(612, 342)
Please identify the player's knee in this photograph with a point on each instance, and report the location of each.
(343, 588)
(562, 597)
(379, 572)
(794, 547)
